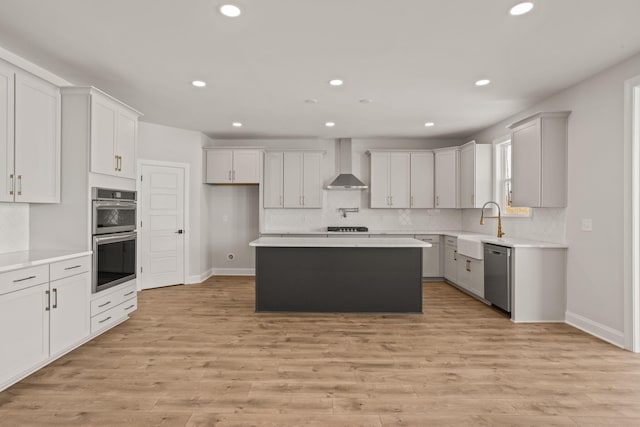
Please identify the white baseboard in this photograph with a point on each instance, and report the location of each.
(199, 278)
(596, 329)
(233, 272)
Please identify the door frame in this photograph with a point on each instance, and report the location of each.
(632, 214)
(186, 167)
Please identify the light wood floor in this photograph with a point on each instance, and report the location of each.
(198, 355)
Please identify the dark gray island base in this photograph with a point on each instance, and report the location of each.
(339, 279)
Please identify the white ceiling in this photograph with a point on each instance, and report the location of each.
(416, 59)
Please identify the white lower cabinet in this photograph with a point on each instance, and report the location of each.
(25, 331)
(69, 311)
(41, 319)
(471, 275)
(112, 306)
(431, 256)
(451, 259)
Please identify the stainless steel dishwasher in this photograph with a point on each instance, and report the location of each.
(497, 276)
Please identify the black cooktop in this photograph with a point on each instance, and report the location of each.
(348, 229)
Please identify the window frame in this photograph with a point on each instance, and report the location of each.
(499, 181)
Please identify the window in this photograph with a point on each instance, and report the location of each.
(503, 180)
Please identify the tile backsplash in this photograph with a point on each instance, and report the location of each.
(14, 227)
(545, 224)
(303, 220)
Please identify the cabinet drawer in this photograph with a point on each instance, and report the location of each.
(107, 318)
(23, 278)
(428, 238)
(451, 241)
(70, 267)
(112, 299)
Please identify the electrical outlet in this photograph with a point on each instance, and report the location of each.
(587, 224)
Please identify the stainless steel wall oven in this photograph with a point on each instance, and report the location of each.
(114, 237)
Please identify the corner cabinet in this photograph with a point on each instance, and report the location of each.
(390, 180)
(29, 138)
(539, 160)
(113, 131)
(476, 174)
(446, 177)
(227, 166)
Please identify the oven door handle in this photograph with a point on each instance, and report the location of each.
(120, 237)
(114, 204)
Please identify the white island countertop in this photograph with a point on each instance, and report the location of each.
(340, 242)
(17, 260)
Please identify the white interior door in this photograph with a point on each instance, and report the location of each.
(161, 233)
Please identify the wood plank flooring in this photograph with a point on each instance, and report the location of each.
(199, 356)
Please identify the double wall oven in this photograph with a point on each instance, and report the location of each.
(114, 237)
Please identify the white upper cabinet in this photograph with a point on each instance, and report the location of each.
(29, 138)
(114, 135)
(7, 179)
(539, 160)
(227, 166)
(302, 179)
(390, 180)
(475, 174)
(273, 180)
(446, 177)
(422, 180)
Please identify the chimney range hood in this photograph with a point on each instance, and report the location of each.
(346, 180)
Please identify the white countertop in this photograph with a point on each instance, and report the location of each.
(486, 238)
(340, 242)
(17, 260)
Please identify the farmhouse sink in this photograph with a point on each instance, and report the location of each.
(470, 246)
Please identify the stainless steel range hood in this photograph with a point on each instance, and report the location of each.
(346, 180)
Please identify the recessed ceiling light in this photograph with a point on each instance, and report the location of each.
(330, 124)
(483, 82)
(198, 83)
(311, 101)
(230, 10)
(365, 101)
(336, 82)
(521, 8)
(236, 124)
(429, 124)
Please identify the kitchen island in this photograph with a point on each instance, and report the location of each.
(342, 274)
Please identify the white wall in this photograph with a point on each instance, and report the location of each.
(595, 284)
(163, 143)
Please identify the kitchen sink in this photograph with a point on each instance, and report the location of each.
(471, 246)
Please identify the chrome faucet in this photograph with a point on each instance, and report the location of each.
(482, 217)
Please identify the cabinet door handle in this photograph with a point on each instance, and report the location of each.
(281, 201)
(303, 201)
(128, 293)
(12, 184)
(19, 185)
(230, 179)
(468, 265)
(55, 298)
(130, 307)
(105, 304)
(437, 200)
(48, 307)
(104, 320)
(24, 278)
(390, 200)
(455, 255)
(75, 266)
(120, 163)
(116, 166)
